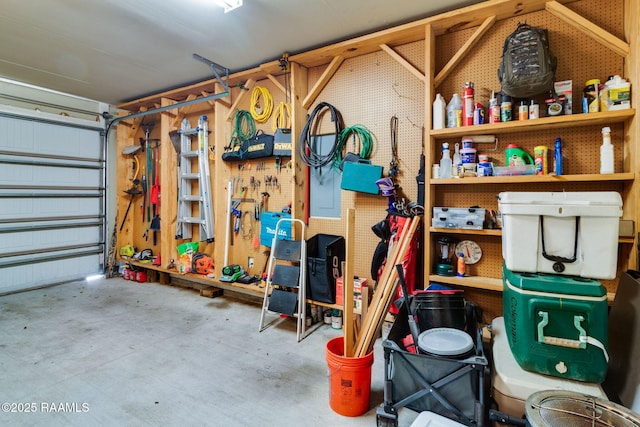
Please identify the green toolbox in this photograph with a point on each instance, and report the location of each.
(557, 325)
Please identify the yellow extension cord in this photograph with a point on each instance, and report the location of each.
(281, 117)
(259, 112)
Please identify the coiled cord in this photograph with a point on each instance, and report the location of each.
(261, 111)
(244, 128)
(281, 117)
(360, 134)
(306, 149)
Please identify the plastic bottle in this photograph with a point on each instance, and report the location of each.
(506, 114)
(494, 109)
(618, 94)
(534, 110)
(445, 162)
(557, 157)
(468, 104)
(439, 109)
(454, 111)
(461, 265)
(523, 111)
(457, 161)
(606, 152)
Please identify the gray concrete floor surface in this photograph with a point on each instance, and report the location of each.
(119, 353)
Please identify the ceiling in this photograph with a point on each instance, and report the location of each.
(119, 50)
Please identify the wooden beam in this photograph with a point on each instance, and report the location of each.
(347, 283)
(590, 29)
(277, 83)
(322, 81)
(185, 111)
(406, 64)
(464, 50)
(243, 93)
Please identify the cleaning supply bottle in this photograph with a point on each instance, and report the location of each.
(461, 265)
(606, 152)
(468, 104)
(439, 109)
(445, 162)
(457, 161)
(494, 109)
(454, 111)
(557, 157)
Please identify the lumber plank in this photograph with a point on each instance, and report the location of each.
(243, 93)
(464, 50)
(386, 287)
(402, 61)
(331, 69)
(277, 84)
(587, 27)
(347, 283)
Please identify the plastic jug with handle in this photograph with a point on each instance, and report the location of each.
(516, 156)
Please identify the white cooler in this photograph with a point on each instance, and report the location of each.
(569, 233)
(512, 385)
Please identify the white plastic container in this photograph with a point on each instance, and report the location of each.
(454, 112)
(439, 111)
(618, 94)
(512, 385)
(537, 226)
(606, 152)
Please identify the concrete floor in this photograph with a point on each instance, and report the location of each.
(116, 353)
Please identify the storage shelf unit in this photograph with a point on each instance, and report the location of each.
(544, 123)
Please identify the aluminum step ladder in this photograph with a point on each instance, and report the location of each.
(285, 291)
(187, 180)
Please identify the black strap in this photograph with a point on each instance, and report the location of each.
(557, 258)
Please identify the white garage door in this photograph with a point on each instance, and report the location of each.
(51, 202)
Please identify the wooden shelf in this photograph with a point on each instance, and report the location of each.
(586, 177)
(487, 283)
(544, 123)
(483, 232)
(498, 233)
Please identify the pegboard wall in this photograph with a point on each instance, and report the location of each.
(259, 185)
(579, 59)
(369, 90)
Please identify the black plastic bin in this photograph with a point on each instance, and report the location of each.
(325, 254)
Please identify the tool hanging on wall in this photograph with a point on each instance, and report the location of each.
(147, 127)
(133, 191)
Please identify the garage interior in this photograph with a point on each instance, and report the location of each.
(124, 159)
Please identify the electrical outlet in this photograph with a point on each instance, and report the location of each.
(250, 262)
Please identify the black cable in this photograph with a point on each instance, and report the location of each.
(306, 148)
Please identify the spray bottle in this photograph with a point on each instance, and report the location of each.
(457, 161)
(557, 157)
(606, 152)
(445, 162)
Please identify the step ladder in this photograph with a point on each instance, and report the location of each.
(187, 180)
(286, 280)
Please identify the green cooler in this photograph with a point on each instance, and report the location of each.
(557, 325)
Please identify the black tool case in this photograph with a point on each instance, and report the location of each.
(453, 388)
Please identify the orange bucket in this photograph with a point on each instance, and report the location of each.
(349, 380)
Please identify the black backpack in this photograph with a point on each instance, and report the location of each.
(528, 67)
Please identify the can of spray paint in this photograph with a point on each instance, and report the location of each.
(467, 104)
